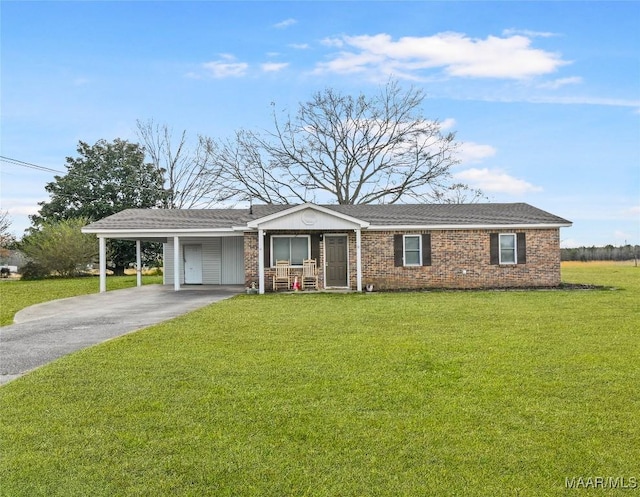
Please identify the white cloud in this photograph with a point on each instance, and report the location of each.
(21, 207)
(274, 66)
(456, 54)
(332, 42)
(448, 123)
(471, 153)
(225, 67)
(558, 83)
(570, 243)
(622, 236)
(299, 46)
(562, 100)
(285, 24)
(496, 181)
(527, 32)
(632, 212)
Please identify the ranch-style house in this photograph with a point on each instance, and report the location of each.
(355, 247)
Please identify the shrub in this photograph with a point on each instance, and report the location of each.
(61, 247)
(33, 271)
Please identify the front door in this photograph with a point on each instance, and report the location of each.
(336, 254)
(192, 264)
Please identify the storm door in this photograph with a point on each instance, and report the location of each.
(337, 260)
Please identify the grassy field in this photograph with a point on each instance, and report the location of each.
(16, 295)
(491, 393)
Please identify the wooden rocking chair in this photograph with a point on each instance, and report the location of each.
(282, 278)
(309, 274)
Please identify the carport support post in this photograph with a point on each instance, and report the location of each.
(359, 259)
(176, 263)
(260, 261)
(138, 264)
(102, 251)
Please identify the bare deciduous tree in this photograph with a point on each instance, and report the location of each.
(245, 171)
(189, 179)
(5, 224)
(7, 240)
(459, 193)
(341, 149)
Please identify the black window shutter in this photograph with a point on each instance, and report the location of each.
(426, 249)
(522, 248)
(494, 248)
(315, 248)
(397, 250)
(267, 250)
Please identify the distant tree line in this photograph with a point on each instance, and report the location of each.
(606, 253)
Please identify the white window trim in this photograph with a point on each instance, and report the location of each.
(404, 250)
(515, 248)
(308, 237)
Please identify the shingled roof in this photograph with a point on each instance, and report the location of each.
(177, 219)
(376, 215)
(449, 214)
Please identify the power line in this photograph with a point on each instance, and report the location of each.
(21, 163)
(30, 165)
(17, 162)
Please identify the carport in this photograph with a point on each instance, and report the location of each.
(198, 248)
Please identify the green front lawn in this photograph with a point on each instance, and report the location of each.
(16, 295)
(439, 393)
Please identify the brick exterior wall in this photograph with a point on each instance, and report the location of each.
(460, 259)
(250, 259)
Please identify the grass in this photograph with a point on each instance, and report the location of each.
(442, 393)
(16, 295)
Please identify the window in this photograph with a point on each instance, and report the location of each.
(508, 249)
(412, 250)
(290, 248)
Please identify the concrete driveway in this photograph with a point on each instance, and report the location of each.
(45, 332)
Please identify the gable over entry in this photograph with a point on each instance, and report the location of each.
(311, 222)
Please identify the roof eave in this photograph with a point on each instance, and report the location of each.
(404, 227)
(207, 232)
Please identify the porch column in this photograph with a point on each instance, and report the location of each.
(359, 259)
(176, 263)
(102, 251)
(138, 264)
(260, 261)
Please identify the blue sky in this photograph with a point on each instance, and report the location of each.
(545, 96)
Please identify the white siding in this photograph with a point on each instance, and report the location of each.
(168, 262)
(233, 257)
(214, 252)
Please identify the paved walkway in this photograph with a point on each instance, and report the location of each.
(45, 332)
